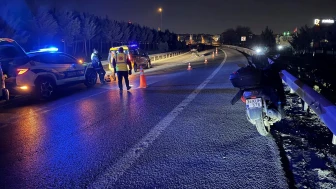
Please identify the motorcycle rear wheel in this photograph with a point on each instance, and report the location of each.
(261, 128)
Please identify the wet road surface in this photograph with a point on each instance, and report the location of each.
(179, 132)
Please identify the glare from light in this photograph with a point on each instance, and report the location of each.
(24, 87)
(80, 61)
(280, 47)
(160, 9)
(258, 50)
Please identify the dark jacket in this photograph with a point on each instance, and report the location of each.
(96, 61)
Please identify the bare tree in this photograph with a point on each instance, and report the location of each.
(10, 27)
(143, 36)
(267, 37)
(10, 24)
(150, 36)
(89, 29)
(126, 32)
(42, 26)
(69, 27)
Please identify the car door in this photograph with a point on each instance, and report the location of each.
(51, 64)
(143, 58)
(137, 56)
(76, 70)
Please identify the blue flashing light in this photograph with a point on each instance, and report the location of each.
(50, 49)
(134, 45)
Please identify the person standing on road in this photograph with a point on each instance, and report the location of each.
(97, 65)
(123, 67)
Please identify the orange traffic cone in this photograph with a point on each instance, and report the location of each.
(143, 83)
(189, 67)
(206, 60)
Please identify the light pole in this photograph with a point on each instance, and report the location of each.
(160, 11)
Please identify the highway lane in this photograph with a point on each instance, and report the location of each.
(77, 139)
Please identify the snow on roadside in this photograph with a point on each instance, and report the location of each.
(307, 145)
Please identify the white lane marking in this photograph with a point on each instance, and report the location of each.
(114, 172)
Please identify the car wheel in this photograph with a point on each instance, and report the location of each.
(135, 67)
(90, 78)
(45, 88)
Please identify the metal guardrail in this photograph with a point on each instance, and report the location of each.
(156, 57)
(320, 105)
(160, 56)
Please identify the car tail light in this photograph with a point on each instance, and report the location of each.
(22, 71)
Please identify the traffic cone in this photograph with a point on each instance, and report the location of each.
(143, 83)
(206, 60)
(189, 67)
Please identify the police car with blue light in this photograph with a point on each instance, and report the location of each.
(41, 72)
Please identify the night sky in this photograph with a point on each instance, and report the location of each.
(208, 16)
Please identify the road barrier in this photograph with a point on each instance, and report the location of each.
(156, 57)
(320, 105)
(160, 56)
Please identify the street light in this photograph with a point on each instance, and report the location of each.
(160, 11)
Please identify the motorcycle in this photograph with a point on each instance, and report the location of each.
(263, 107)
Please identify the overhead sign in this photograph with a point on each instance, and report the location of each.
(243, 38)
(328, 21)
(317, 22)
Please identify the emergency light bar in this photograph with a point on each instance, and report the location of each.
(51, 49)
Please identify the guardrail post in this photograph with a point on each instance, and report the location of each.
(334, 140)
(305, 106)
(292, 91)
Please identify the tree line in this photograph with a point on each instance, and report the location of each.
(315, 37)
(304, 39)
(232, 36)
(79, 32)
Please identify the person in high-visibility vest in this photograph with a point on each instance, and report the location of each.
(123, 67)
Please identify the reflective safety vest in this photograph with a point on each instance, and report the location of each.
(121, 62)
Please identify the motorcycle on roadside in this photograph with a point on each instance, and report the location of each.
(257, 90)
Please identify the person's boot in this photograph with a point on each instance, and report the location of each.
(128, 88)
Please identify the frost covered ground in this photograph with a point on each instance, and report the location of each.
(308, 154)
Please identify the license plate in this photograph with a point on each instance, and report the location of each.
(254, 103)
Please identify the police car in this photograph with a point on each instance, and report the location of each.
(43, 71)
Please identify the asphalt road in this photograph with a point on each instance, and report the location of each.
(179, 132)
